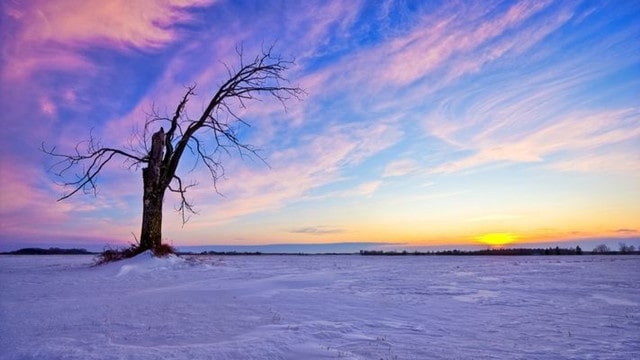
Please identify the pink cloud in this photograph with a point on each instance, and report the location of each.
(523, 40)
(25, 60)
(444, 45)
(25, 207)
(318, 21)
(46, 32)
(141, 23)
(433, 44)
(29, 208)
(315, 22)
(47, 107)
(367, 188)
(591, 162)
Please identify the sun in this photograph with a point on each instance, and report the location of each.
(497, 239)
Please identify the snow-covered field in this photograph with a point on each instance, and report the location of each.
(320, 307)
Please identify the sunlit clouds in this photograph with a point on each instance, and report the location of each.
(423, 123)
(55, 34)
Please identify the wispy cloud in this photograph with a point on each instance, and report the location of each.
(453, 41)
(627, 231)
(29, 209)
(565, 136)
(51, 34)
(316, 230)
(294, 173)
(400, 167)
(445, 46)
(429, 47)
(537, 113)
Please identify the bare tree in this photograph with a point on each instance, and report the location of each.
(601, 249)
(208, 136)
(626, 249)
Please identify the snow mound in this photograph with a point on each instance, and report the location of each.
(147, 262)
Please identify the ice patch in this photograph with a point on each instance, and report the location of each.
(463, 273)
(614, 301)
(480, 295)
(313, 351)
(489, 278)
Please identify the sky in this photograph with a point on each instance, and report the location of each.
(425, 123)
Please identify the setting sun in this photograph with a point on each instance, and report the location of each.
(497, 239)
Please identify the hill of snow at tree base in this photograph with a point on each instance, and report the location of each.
(320, 307)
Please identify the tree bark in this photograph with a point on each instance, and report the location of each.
(153, 195)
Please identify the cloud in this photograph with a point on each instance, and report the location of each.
(429, 47)
(514, 44)
(596, 161)
(295, 172)
(400, 167)
(446, 45)
(539, 114)
(627, 231)
(367, 188)
(316, 230)
(21, 194)
(47, 107)
(440, 50)
(142, 24)
(28, 205)
(49, 34)
(451, 41)
(568, 134)
(322, 25)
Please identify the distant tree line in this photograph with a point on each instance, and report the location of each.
(601, 249)
(623, 248)
(231, 253)
(255, 253)
(598, 250)
(49, 251)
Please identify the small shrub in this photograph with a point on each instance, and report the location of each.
(110, 255)
(164, 250)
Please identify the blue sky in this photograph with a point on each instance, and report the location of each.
(424, 123)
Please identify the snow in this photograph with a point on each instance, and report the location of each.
(320, 307)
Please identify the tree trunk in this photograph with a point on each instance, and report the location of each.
(153, 197)
(151, 233)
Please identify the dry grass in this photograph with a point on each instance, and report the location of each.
(164, 250)
(110, 255)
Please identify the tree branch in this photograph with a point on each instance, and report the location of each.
(185, 205)
(262, 75)
(92, 160)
